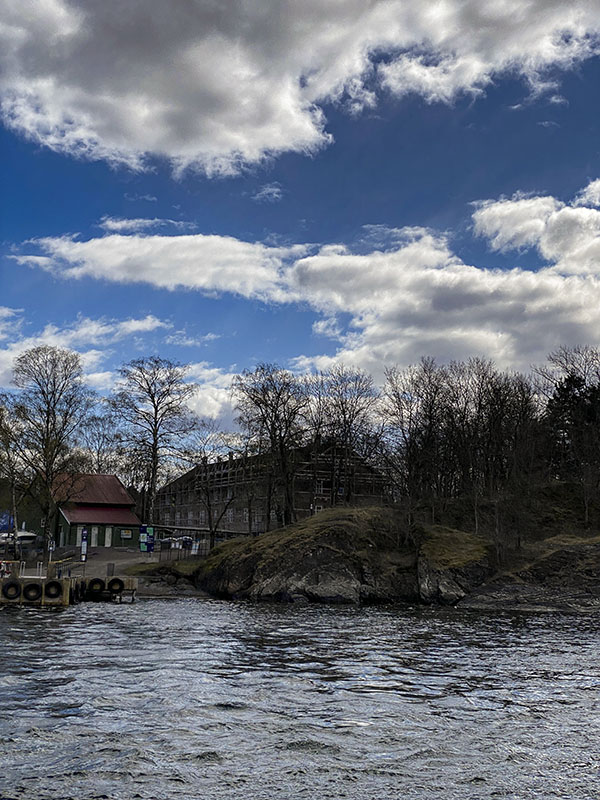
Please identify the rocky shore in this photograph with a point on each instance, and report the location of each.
(348, 556)
(366, 556)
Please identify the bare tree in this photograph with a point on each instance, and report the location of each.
(151, 402)
(341, 410)
(50, 410)
(271, 402)
(11, 467)
(102, 442)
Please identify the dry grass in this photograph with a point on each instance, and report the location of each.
(446, 547)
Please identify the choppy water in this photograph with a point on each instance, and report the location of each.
(203, 699)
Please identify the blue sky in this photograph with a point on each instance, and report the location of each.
(364, 182)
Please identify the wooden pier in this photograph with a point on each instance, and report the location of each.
(23, 590)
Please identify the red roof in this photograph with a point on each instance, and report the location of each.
(94, 489)
(99, 515)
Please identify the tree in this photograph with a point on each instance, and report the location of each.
(50, 411)
(270, 404)
(341, 410)
(10, 463)
(151, 402)
(101, 441)
(207, 446)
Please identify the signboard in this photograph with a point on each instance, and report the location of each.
(84, 544)
(126, 533)
(6, 522)
(146, 538)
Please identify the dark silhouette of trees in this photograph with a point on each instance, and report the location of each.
(271, 402)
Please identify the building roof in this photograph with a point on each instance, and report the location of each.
(99, 515)
(93, 489)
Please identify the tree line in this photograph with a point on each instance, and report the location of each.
(437, 432)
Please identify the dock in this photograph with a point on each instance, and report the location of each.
(23, 590)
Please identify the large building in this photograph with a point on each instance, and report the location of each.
(246, 495)
(100, 505)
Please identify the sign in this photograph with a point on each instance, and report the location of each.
(126, 533)
(6, 522)
(84, 534)
(146, 538)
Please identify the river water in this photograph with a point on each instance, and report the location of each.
(194, 698)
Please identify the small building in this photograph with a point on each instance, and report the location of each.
(243, 494)
(100, 505)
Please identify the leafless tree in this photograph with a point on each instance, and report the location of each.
(341, 412)
(50, 410)
(271, 402)
(102, 441)
(151, 403)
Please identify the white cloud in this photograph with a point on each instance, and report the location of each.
(216, 86)
(119, 225)
(269, 193)
(198, 261)
(566, 235)
(212, 398)
(133, 197)
(590, 196)
(89, 337)
(10, 322)
(181, 339)
(381, 306)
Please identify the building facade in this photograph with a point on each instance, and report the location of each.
(245, 494)
(100, 505)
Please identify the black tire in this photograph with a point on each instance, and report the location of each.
(11, 590)
(32, 592)
(53, 590)
(96, 586)
(116, 586)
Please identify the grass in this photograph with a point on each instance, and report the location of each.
(446, 548)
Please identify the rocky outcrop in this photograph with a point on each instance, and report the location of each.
(345, 556)
(565, 578)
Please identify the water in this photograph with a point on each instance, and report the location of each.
(205, 699)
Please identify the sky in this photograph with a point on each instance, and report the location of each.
(225, 184)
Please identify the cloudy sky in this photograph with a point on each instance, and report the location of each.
(229, 183)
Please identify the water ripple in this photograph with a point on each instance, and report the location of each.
(198, 698)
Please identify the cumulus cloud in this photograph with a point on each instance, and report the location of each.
(198, 261)
(89, 337)
(566, 235)
(590, 196)
(406, 295)
(212, 398)
(216, 86)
